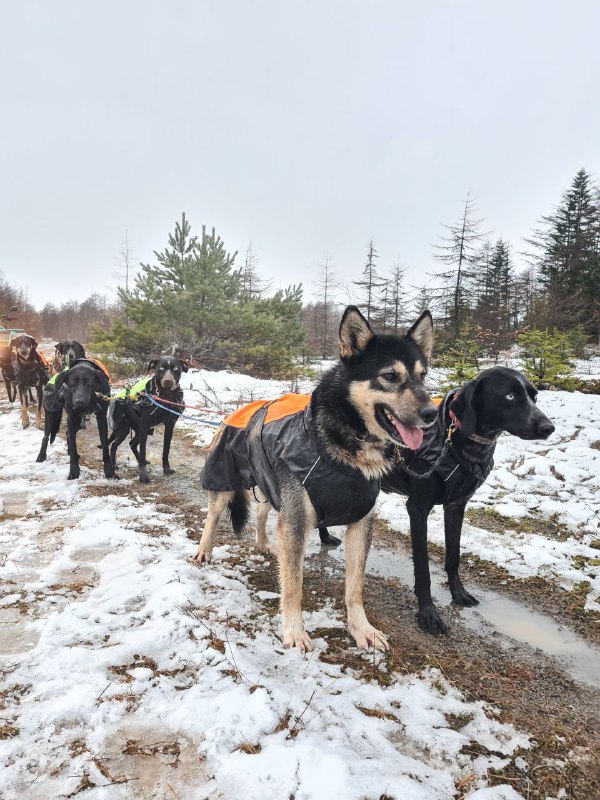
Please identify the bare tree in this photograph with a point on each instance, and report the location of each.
(252, 283)
(125, 262)
(457, 251)
(324, 285)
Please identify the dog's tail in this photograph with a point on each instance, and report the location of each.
(239, 511)
(55, 425)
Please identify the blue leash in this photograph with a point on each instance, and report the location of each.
(180, 413)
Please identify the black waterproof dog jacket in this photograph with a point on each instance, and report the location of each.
(461, 478)
(30, 373)
(256, 437)
(53, 396)
(131, 399)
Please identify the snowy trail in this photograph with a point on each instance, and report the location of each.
(127, 672)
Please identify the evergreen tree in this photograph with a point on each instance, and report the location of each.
(566, 254)
(398, 299)
(369, 285)
(545, 355)
(192, 297)
(493, 282)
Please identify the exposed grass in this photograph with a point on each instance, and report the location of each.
(8, 731)
(378, 713)
(458, 721)
(490, 520)
(248, 748)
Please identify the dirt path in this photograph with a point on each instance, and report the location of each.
(529, 689)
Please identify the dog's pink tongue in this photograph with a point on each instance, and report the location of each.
(412, 437)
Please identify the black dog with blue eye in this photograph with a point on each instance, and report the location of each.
(454, 460)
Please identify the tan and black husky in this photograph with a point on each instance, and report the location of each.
(319, 459)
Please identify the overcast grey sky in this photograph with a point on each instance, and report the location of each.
(306, 127)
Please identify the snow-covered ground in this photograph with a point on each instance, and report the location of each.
(127, 672)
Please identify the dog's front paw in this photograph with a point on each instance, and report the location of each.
(431, 622)
(25, 423)
(74, 473)
(168, 471)
(202, 556)
(40, 459)
(297, 637)
(369, 638)
(144, 477)
(109, 471)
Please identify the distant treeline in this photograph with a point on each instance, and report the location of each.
(200, 297)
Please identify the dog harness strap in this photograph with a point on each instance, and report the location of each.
(441, 454)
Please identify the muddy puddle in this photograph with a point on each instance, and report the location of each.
(497, 614)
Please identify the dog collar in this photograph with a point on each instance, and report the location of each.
(474, 437)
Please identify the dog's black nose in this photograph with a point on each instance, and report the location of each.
(546, 429)
(428, 413)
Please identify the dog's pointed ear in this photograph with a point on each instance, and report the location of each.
(355, 333)
(422, 334)
(184, 365)
(152, 364)
(464, 409)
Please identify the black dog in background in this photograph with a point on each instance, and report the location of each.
(30, 372)
(448, 471)
(80, 390)
(8, 373)
(140, 414)
(66, 353)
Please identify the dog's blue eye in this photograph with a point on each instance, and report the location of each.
(510, 397)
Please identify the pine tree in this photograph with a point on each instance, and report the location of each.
(369, 285)
(398, 299)
(423, 301)
(566, 254)
(192, 297)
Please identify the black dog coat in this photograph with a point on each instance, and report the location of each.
(256, 437)
(461, 479)
(53, 398)
(30, 373)
(131, 399)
